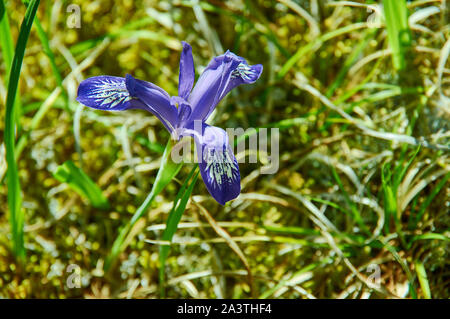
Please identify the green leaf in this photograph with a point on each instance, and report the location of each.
(390, 202)
(399, 36)
(6, 39)
(423, 280)
(14, 195)
(292, 230)
(428, 236)
(178, 208)
(167, 171)
(401, 170)
(81, 183)
(7, 45)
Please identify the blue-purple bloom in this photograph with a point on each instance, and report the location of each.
(179, 114)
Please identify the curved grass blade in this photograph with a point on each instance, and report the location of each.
(14, 196)
(179, 206)
(167, 171)
(7, 44)
(81, 183)
(428, 236)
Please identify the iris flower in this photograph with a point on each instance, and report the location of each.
(185, 114)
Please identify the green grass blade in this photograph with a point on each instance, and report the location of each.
(81, 183)
(6, 39)
(388, 176)
(423, 280)
(390, 202)
(401, 170)
(292, 230)
(428, 236)
(7, 44)
(396, 16)
(179, 206)
(14, 195)
(167, 171)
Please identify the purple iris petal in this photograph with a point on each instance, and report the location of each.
(217, 163)
(223, 73)
(153, 99)
(207, 91)
(243, 74)
(104, 93)
(187, 72)
(112, 93)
